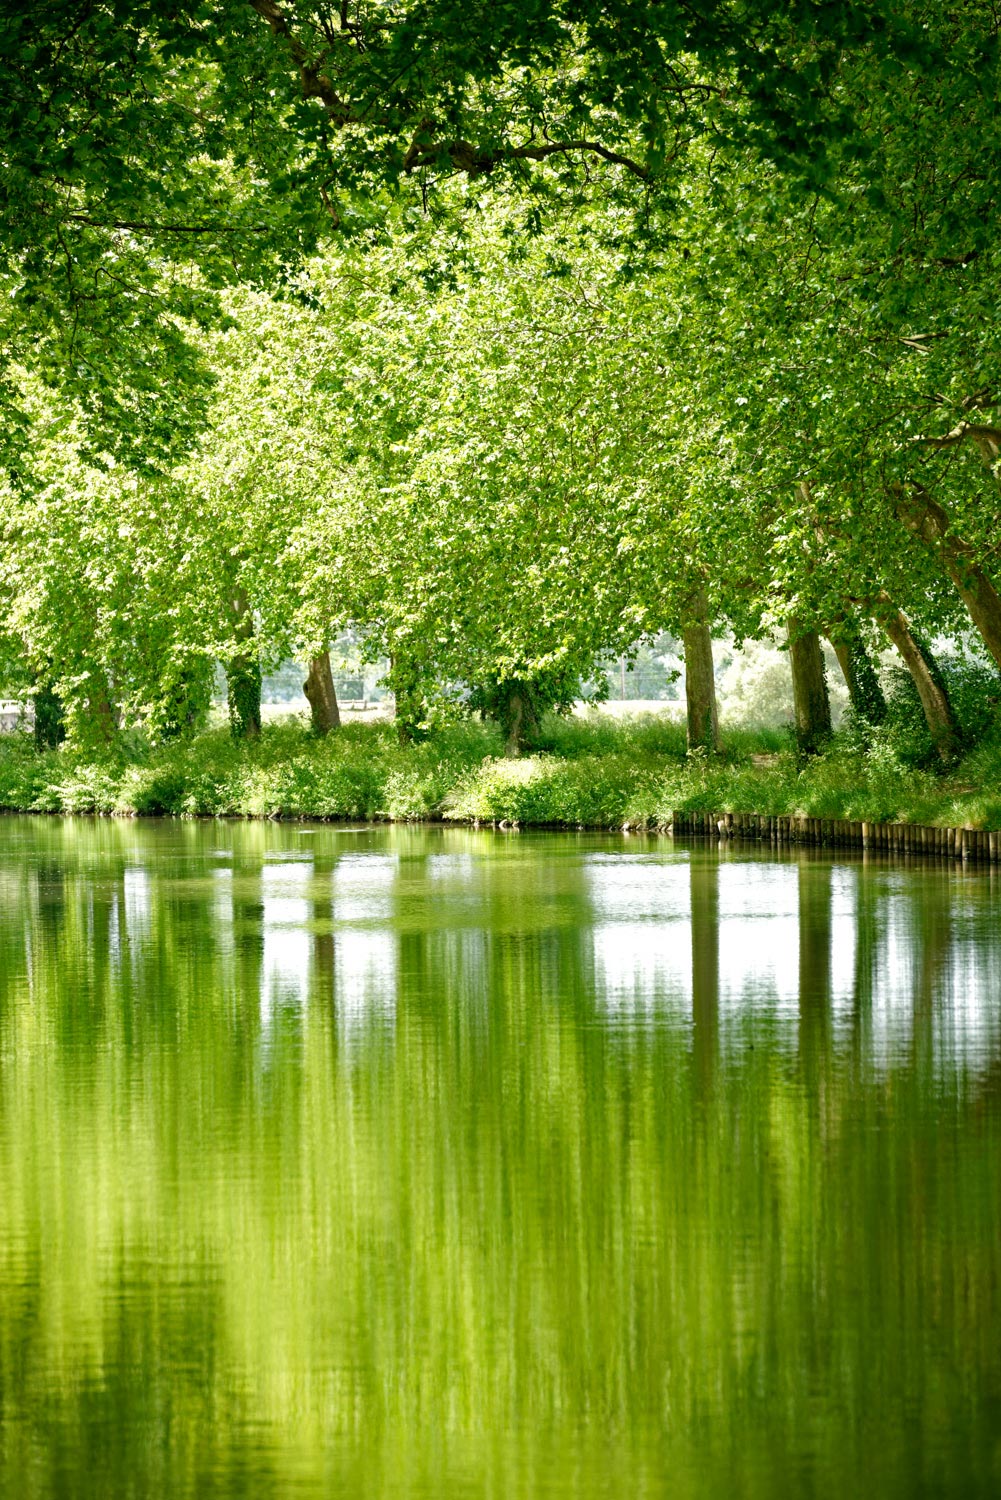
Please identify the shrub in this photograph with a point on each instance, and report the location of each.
(974, 690)
(594, 771)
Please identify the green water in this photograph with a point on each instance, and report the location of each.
(441, 1163)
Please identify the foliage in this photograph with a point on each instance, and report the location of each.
(974, 690)
(690, 309)
(593, 772)
(152, 156)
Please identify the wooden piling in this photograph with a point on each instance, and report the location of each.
(900, 839)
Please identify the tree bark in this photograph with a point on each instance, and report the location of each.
(243, 674)
(50, 718)
(925, 518)
(863, 685)
(700, 678)
(811, 702)
(938, 713)
(514, 725)
(186, 701)
(319, 690)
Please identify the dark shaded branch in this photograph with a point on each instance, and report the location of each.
(466, 157)
(142, 227)
(315, 84)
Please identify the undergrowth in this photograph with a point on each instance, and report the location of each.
(583, 772)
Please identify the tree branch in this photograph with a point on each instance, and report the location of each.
(466, 157)
(963, 430)
(145, 228)
(315, 84)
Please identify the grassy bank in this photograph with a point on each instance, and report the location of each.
(595, 773)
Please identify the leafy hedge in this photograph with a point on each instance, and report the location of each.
(595, 773)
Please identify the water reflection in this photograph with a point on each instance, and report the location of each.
(426, 1161)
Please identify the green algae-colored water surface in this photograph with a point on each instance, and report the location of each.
(435, 1162)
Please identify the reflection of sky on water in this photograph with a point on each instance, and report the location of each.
(758, 938)
(449, 867)
(643, 965)
(364, 941)
(130, 918)
(944, 984)
(937, 976)
(641, 934)
(356, 898)
(136, 886)
(910, 959)
(363, 888)
(286, 958)
(365, 969)
(843, 938)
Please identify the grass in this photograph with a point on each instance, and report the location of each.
(593, 772)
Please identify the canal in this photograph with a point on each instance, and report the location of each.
(423, 1162)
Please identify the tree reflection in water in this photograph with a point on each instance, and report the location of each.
(408, 1160)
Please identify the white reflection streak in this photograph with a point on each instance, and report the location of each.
(115, 932)
(759, 935)
(363, 888)
(138, 903)
(639, 965)
(137, 913)
(642, 937)
(643, 947)
(844, 937)
(365, 960)
(286, 948)
(894, 981)
(968, 1013)
(449, 867)
(222, 909)
(628, 888)
(365, 978)
(962, 980)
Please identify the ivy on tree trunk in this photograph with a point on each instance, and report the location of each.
(864, 691)
(243, 674)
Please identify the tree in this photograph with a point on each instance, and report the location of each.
(149, 156)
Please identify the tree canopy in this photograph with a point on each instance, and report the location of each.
(501, 334)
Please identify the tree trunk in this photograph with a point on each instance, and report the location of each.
(95, 722)
(319, 690)
(811, 703)
(243, 674)
(864, 689)
(938, 713)
(514, 725)
(404, 679)
(700, 679)
(931, 522)
(243, 683)
(50, 718)
(187, 699)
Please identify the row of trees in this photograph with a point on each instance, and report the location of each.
(726, 358)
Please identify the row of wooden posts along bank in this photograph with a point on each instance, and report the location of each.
(897, 838)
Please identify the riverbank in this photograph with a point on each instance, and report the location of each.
(593, 773)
